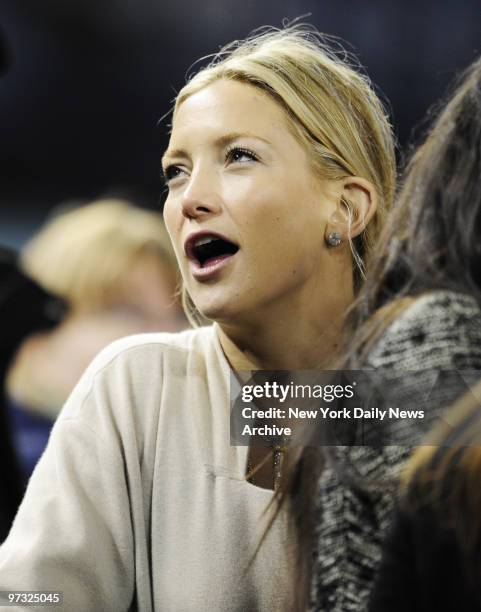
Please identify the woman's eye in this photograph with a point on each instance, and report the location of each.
(239, 154)
(171, 172)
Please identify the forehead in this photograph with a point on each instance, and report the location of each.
(227, 105)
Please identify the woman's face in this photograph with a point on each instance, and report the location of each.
(245, 213)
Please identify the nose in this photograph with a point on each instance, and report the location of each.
(200, 197)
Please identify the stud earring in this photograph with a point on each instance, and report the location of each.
(334, 239)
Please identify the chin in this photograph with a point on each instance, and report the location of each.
(220, 311)
(218, 314)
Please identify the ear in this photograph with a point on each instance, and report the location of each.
(356, 207)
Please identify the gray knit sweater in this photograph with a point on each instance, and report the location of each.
(358, 489)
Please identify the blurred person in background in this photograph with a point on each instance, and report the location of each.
(280, 170)
(417, 322)
(114, 266)
(25, 308)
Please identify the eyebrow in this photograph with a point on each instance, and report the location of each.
(220, 142)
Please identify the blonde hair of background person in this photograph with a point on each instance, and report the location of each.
(113, 263)
(85, 254)
(332, 111)
(172, 522)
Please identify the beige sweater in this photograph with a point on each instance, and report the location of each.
(139, 501)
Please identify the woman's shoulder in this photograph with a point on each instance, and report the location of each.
(161, 345)
(444, 304)
(435, 312)
(137, 367)
(440, 329)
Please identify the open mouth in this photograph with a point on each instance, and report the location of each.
(208, 249)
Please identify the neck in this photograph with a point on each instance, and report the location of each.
(287, 338)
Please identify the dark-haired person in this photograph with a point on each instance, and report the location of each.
(417, 314)
(279, 169)
(24, 309)
(432, 555)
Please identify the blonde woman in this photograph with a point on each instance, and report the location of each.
(280, 168)
(114, 266)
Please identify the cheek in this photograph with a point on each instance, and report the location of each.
(172, 224)
(284, 216)
(285, 235)
(168, 216)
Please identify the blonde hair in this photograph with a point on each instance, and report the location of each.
(84, 254)
(334, 112)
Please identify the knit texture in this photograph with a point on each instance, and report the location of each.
(358, 489)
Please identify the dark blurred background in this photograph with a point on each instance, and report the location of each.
(86, 81)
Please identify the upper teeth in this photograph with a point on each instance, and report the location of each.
(204, 240)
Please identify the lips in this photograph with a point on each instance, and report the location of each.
(208, 252)
(203, 248)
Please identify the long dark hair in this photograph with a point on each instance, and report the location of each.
(444, 475)
(432, 240)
